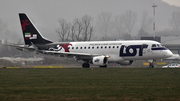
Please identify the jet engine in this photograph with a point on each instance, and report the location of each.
(126, 62)
(100, 60)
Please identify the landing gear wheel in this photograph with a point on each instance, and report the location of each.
(85, 65)
(151, 65)
(105, 66)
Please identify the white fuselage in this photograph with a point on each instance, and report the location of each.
(121, 50)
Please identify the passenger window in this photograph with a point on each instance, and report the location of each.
(84, 47)
(92, 47)
(72, 47)
(97, 47)
(117, 46)
(76, 47)
(101, 47)
(105, 47)
(154, 45)
(88, 47)
(109, 46)
(81, 48)
(113, 46)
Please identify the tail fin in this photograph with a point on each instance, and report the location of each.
(30, 32)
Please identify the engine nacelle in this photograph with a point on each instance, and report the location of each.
(100, 60)
(126, 62)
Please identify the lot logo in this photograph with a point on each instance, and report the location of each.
(131, 50)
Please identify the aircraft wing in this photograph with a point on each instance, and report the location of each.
(23, 48)
(71, 54)
(76, 55)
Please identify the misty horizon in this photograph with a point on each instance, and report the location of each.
(45, 15)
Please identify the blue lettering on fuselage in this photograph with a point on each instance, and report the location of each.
(134, 48)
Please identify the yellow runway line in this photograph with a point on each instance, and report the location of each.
(12, 67)
(48, 66)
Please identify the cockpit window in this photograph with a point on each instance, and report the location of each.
(153, 45)
(156, 45)
(159, 45)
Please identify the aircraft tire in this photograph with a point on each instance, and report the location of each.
(151, 66)
(85, 65)
(105, 66)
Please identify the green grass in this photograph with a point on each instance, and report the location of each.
(126, 84)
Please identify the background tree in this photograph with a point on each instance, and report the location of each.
(146, 24)
(63, 30)
(104, 23)
(118, 25)
(175, 21)
(88, 29)
(73, 31)
(79, 28)
(129, 19)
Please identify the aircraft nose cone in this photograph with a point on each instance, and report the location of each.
(169, 53)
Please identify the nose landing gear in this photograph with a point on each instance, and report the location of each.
(151, 64)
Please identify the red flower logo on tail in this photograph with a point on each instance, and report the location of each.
(24, 24)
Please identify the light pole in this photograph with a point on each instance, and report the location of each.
(154, 28)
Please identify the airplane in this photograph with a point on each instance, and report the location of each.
(98, 53)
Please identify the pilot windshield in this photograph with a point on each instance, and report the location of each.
(159, 45)
(156, 45)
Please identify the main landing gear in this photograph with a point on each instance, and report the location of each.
(103, 66)
(85, 65)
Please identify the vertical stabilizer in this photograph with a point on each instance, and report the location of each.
(30, 32)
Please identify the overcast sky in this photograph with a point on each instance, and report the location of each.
(45, 13)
